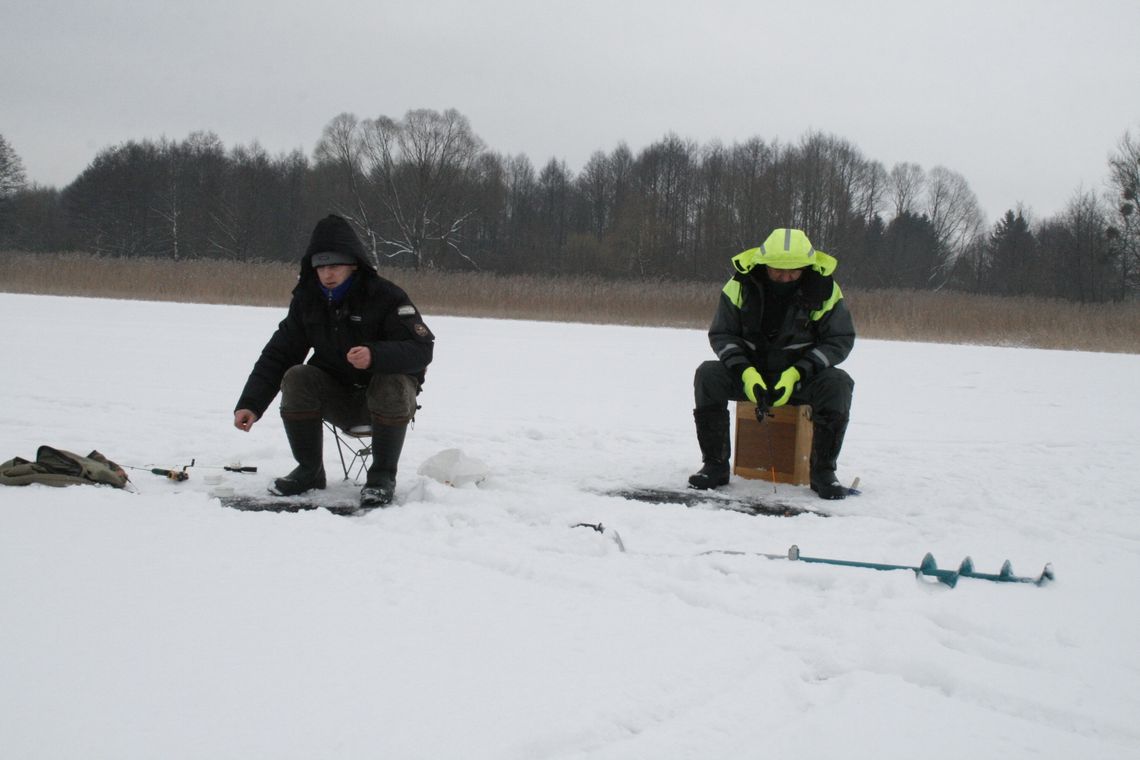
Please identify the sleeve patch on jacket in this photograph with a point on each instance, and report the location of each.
(406, 310)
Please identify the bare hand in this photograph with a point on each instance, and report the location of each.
(244, 419)
(360, 357)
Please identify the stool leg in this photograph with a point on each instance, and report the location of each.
(360, 460)
(339, 447)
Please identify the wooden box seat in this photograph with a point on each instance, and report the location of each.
(779, 449)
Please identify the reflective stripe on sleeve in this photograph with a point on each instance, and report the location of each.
(731, 347)
(822, 357)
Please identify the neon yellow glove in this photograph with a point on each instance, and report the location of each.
(754, 385)
(785, 385)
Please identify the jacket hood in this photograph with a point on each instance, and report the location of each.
(785, 249)
(333, 234)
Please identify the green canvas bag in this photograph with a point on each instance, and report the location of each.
(56, 467)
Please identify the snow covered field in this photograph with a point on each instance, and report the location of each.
(476, 623)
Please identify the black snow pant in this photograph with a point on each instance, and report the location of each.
(829, 391)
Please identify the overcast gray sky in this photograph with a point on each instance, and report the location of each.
(1025, 99)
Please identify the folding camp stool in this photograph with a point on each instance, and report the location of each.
(779, 449)
(354, 446)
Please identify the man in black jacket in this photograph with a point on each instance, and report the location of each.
(780, 328)
(370, 350)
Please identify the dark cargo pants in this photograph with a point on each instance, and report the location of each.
(390, 399)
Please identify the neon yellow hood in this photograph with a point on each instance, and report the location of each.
(785, 249)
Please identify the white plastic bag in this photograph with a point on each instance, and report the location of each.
(454, 468)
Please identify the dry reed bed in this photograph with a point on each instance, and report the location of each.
(885, 314)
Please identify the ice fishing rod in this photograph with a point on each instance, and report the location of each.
(235, 467)
(179, 475)
(763, 413)
(175, 475)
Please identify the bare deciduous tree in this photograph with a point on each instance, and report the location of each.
(12, 182)
(753, 193)
(1124, 231)
(342, 148)
(12, 177)
(871, 189)
(906, 182)
(1086, 221)
(411, 184)
(425, 169)
(953, 211)
(596, 185)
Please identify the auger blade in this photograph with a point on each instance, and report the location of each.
(930, 568)
(1006, 574)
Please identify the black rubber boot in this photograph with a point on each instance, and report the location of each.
(712, 437)
(827, 440)
(380, 487)
(305, 439)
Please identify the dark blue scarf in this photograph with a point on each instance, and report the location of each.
(335, 295)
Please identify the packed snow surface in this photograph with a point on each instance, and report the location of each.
(476, 622)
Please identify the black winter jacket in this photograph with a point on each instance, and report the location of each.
(816, 332)
(375, 313)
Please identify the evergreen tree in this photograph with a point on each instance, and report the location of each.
(911, 253)
(1012, 254)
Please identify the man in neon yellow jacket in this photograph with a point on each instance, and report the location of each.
(780, 329)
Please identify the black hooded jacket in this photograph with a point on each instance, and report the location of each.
(815, 330)
(375, 313)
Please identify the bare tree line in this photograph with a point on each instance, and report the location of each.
(424, 191)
